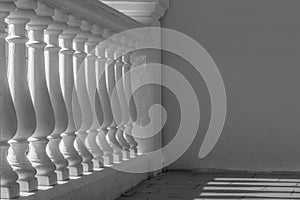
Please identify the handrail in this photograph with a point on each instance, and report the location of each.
(96, 12)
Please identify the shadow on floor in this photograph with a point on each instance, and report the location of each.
(180, 185)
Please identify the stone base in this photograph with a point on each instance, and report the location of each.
(104, 184)
(126, 155)
(62, 175)
(10, 192)
(47, 180)
(28, 185)
(87, 167)
(108, 160)
(76, 171)
(117, 157)
(133, 153)
(97, 164)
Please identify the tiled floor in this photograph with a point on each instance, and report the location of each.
(178, 185)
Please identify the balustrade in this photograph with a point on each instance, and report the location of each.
(56, 87)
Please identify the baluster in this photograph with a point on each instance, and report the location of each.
(106, 115)
(53, 82)
(110, 82)
(91, 140)
(8, 122)
(121, 100)
(67, 84)
(17, 76)
(40, 97)
(130, 102)
(81, 88)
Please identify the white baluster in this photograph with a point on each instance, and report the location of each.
(40, 97)
(91, 140)
(85, 107)
(59, 107)
(67, 85)
(17, 76)
(8, 119)
(121, 100)
(105, 115)
(130, 102)
(110, 82)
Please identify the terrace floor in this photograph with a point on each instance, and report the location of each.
(182, 185)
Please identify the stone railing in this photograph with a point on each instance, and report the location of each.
(56, 115)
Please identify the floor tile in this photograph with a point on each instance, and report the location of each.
(185, 185)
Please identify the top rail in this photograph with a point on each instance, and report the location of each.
(96, 12)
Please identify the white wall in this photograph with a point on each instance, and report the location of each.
(256, 46)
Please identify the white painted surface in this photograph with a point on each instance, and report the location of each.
(255, 44)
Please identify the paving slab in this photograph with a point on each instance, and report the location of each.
(190, 185)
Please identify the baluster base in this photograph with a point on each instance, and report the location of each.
(28, 185)
(107, 150)
(9, 187)
(18, 160)
(70, 154)
(57, 158)
(111, 139)
(76, 171)
(87, 163)
(49, 180)
(62, 175)
(118, 157)
(94, 148)
(130, 139)
(42, 163)
(133, 153)
(125, 155)
(108, 160)
(87, 167)
(125, 146)
(11, 191)
(97, 163)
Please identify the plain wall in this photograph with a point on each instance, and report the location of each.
(256, 46)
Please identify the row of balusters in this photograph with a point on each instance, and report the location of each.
(57, 78)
